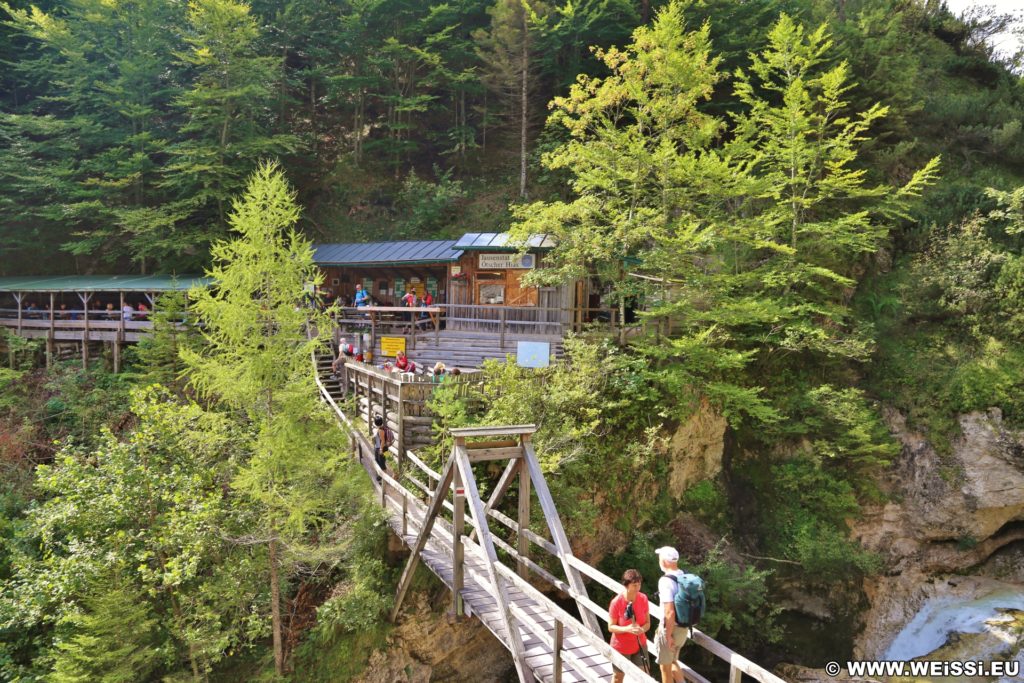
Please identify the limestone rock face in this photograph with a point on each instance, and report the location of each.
(696, 449)
(948, 515)
(425, 647)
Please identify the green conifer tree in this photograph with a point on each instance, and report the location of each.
(114, 639)
(257, 360)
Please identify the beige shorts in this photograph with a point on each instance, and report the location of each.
(679, 636)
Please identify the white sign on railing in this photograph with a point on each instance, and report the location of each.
(504, 261)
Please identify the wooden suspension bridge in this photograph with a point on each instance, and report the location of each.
(427, 510)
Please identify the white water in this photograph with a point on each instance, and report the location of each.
(931, 627)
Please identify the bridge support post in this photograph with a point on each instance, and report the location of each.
(458, 549)
(476, 509)
(522, 542)
(440, 493)
(558, 536)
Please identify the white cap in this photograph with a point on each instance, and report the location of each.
(668, 554)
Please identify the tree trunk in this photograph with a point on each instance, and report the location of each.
(524, 105)
(275, 609)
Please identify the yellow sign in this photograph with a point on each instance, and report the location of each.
(390, 346)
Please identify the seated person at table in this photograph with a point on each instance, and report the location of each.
(362, 297)
(403, 364)
(143, 312)
(128, 311)
(438, 371)
(109, 312)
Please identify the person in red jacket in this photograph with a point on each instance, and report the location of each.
(403, 364)
(629, 618)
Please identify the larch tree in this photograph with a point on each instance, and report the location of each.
(257, 361)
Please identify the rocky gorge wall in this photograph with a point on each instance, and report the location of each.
(952, 534)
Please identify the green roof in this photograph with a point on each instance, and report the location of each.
(102, 283)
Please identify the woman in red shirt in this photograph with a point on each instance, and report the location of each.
(629, 618)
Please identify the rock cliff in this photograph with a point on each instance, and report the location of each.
(425, 646)
(948, 515)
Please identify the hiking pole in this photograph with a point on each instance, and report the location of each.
(630, 614)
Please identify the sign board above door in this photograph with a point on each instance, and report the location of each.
(500, 261)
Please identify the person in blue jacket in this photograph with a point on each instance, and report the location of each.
(362, 298)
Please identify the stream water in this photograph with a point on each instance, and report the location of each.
(944, 616)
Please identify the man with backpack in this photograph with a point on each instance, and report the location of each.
(671, 632)
(383, 438)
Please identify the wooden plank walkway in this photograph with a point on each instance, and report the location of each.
(548, 644)
(480, 600)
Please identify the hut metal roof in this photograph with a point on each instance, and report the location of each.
(101, 283)
(498, 241)
(386, 253)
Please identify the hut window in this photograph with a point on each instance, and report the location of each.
(492, 294)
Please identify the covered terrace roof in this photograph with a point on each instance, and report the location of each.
(386, 253)
(102, 283)
(498, 241)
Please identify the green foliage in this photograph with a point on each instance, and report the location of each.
(81, 401)
(848, 429)
(159, 353)
(151, 510)
(802, 515)
(257, 361)
(426, 208)
(115, 638)
(709, 503)
(993, 377)
(352, 623)
(741, 610)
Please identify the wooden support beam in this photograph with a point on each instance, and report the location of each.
(85, 297)
(51, 332)
(421, 541)
(500, 443)
(470, 432)
(458, 551)
(488, 454)
(504, 483)
(522, 542)
(558, 536)
(400, 436)
(476, 508)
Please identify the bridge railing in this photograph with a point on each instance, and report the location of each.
(413, 498)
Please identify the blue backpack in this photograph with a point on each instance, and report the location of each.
(689, 599)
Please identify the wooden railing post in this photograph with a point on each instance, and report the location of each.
(405, 514)
(52, 332)
(502, 326)
(556, 650)
(400, 437)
